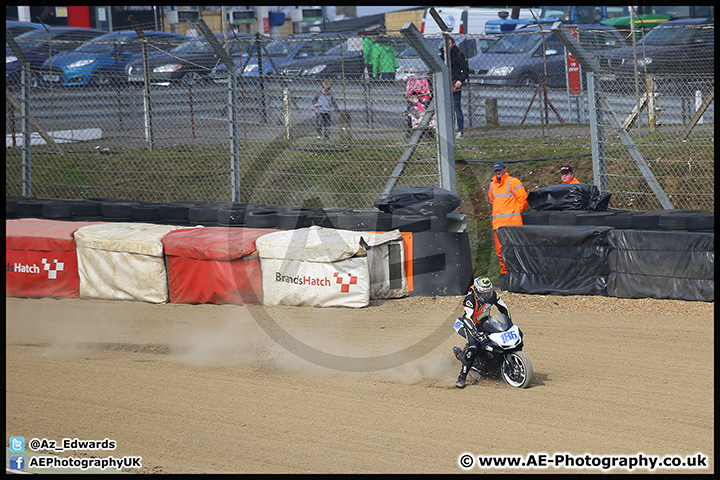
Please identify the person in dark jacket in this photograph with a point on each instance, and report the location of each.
(459, 72)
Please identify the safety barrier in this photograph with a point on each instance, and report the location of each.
(203, 262)
(574, 259)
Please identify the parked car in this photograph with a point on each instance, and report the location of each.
(275, 54)
(298, 47)
(682, 48)
(103, 60)
(15, 28)
(518, 57)
(411, 65)
(40, 44)
(649, 16)
(329, 57)
(190, 62)
(643, 23)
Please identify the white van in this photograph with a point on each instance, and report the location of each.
(460, 20)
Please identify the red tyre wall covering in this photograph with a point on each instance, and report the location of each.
(214, 265)
(41, 259)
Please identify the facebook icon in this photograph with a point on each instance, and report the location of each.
(17, 462)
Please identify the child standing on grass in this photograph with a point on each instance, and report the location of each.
(324, 105)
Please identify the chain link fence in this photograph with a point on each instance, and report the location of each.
(652, 118)
(204, 137)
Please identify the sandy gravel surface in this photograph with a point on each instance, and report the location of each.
(224, 389)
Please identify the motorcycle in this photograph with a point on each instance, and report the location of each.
(500, 353)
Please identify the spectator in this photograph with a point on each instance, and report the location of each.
(567, 175)
(509, 199)
(459, 72)
(384, 58)
(48, 16)
(368, 44)
(324, 104)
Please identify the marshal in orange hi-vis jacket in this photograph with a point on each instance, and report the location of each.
(509, 199)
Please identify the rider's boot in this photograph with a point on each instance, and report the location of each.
(461, 378)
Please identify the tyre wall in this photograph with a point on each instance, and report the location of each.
(442, 264)
(656, 264)
(666, 254)
(569, 260)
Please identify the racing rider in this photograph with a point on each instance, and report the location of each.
(477, 303)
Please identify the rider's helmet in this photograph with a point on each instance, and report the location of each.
(483, 289)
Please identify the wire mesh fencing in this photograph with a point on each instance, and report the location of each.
(177, 128)
(654, 115)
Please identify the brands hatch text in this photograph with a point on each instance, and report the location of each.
(303, 280)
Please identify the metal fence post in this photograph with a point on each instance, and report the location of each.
(232, 109)
(25, 127)
(147, 101)
(286, 112)
(597, 136)
(443, 100)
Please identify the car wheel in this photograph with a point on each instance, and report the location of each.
(528, 80)
(175, 210)
(193, 78)
(204, 213)
(34, 79)
(101, 79)
(535, 218)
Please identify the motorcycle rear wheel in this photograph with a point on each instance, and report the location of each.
(516, 369)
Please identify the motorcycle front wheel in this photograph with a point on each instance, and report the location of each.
(516, 369)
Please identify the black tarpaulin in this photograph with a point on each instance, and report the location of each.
(419, 201)
(661, 264)
(575, 196)
(555, 284)
(570, 260)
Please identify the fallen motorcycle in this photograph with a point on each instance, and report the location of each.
(500, 353)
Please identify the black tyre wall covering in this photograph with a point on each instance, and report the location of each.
(662, 264)
(565, 260)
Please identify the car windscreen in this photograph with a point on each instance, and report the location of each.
(280, 48)
(314, 48)
(555, 11)
(435, 44)
(194, 46)
(238, 45)
(664, 36)
(103, 44)
(34, 39)
(516, 43)
(347, 48)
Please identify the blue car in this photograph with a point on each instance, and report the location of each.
(15, 28)
(40, 44)
(103, 60)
